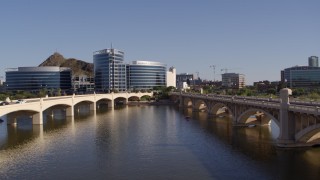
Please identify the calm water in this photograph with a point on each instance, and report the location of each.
(147, 142)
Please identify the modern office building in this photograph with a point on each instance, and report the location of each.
(184, 77)
(109, 70)
(82, 84)
(37, 78)
(145, 75)
(233, 80)
(171, 77)
(302, 76)
(313, 61)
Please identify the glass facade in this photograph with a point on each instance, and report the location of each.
(313, 61)
(233, 80)
(144, 75)
(302, 76)
(36, 78)
(109, 70)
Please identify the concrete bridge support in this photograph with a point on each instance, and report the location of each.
(69, 111)
(37, 118)
(37, 130)
(287, 122)
(93, 107)
(111, 104)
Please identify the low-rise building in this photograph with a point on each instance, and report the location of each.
(145, 75)
(37, 78)
(302, 76)
(233, 80)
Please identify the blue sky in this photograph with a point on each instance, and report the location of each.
(255, 37)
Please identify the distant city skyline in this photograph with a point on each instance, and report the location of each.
(254, 38)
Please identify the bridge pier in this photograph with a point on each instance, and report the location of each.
(37, 118)
(111, 104)
(287, 122)
(69, 111)
(37, 130)
(93, 106)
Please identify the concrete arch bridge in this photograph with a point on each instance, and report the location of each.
(298, 121)
(36, 107)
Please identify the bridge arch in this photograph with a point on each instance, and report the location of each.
(220, 108)
(145, 97)
(309, 134)
(14, 115)
(83, 101)
(187, 102)
(28, 109)
(133, 98)
(104, 102)
(120, 101)
(60, 104)
(200, 105)
(263, 116)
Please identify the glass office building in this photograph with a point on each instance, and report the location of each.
(313, 61)
(301, 76)
(37, 78)
(233, 80)
(145, 75)
(109, 70)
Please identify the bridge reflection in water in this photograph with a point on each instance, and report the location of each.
(148, 142)
(298, 122)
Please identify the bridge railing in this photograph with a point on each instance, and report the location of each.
(310, 107)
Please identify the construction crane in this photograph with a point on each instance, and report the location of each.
(214, 72)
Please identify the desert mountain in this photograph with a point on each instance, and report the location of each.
(78, 67)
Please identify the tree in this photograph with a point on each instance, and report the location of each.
(59, 92)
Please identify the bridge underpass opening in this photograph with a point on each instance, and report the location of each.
(200, 105)
(309, 136)
(120, 101)
(255, 116)
(187, 103)
(220, 109)
(145, 98)
(133, 99)
(23, 117)
(84, 108)
(261, 118)
(58, 112)
(104, 104)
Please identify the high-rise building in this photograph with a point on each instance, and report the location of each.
(171, 77)
(145, 75)
(109, 70)
(313, 61)
(233, 80)
(37, 78)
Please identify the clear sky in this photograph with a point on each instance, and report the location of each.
(255, 37)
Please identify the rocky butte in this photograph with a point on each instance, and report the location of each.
(78, 67)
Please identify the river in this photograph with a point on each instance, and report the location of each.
(147, 142)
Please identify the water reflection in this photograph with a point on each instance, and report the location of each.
(147, 142)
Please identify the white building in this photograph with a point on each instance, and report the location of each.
(171, 77)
